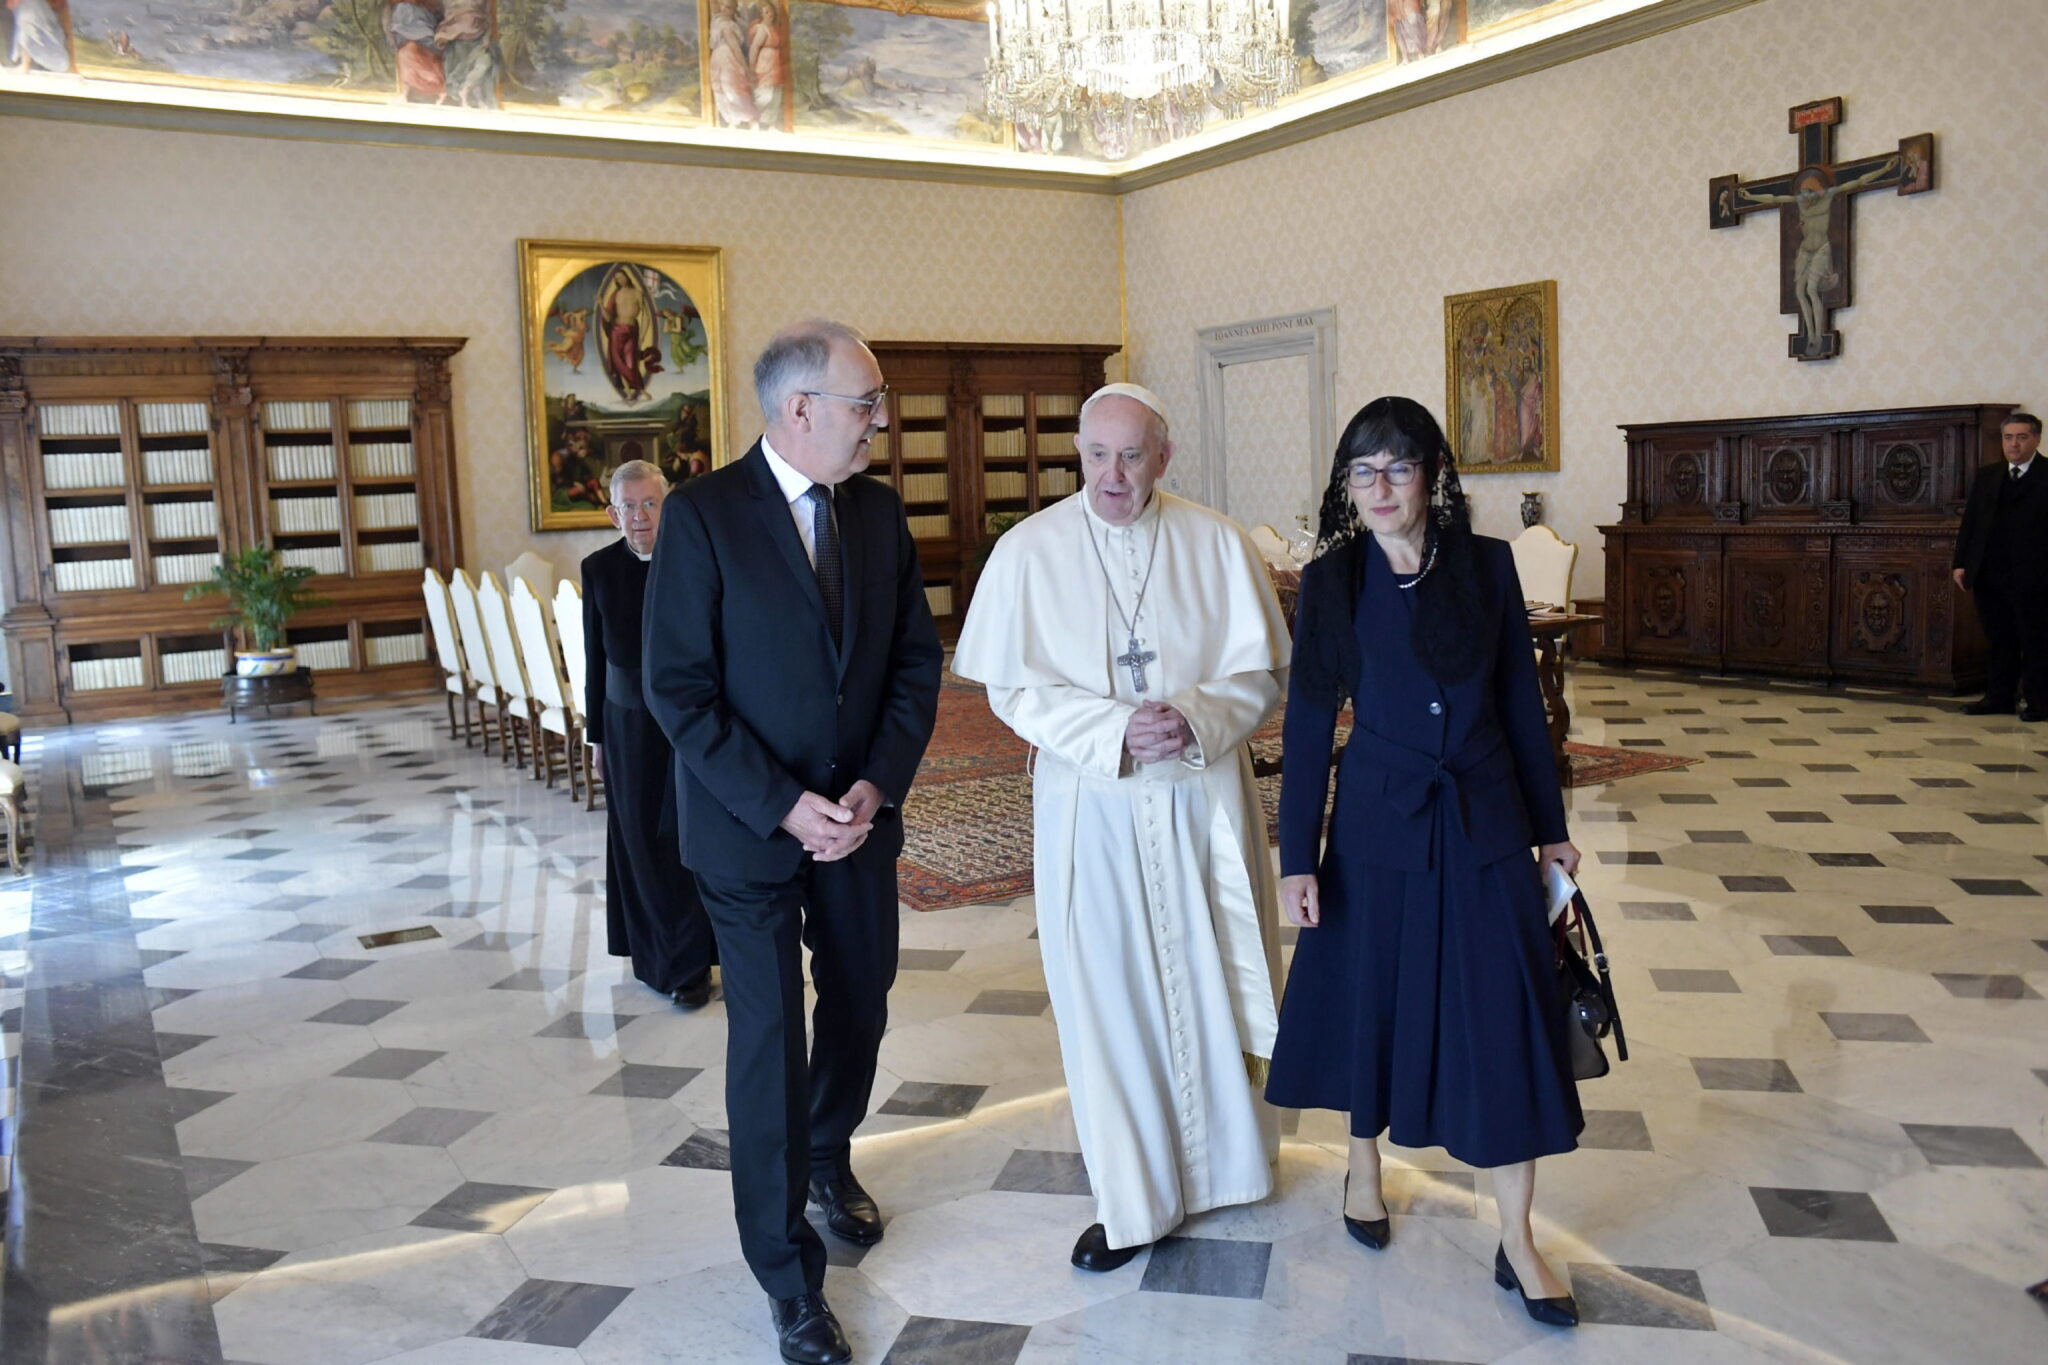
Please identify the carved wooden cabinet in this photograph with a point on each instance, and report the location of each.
(1814, 547)
(130, 466)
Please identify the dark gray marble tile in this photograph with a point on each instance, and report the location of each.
(927, 959)
(1677, 911)
(1945, 1144)
(1717, 836)
(476, 1207)
(1629, 858)
(1873, 1028)
(1357, 1358)
(1616, 1130)
(1906, 914)
(952, 1341)
(1934, 837)
(551, 1313)
(640, 1081)
(1029, 1171)
(429, 881)
(536, 979)
(1983, 986)
(1800, 817)
(1749, 884)
(1748, 781)
(1846, 859)
(1010, 1002)
(357, 1012)
(1806, 945)
(329, 969)
(1694, 980)
(271, 876)
(1745, 1073)
(928, 1099)
(169, 1045)
(1829, 767)
(2002, 817)
(305, 933)
(1687, 799)
(587, 1026)
(1994, 886)
(1208, 1266)
(1873, 799)
(492, 942)
(467, 910)
(1835, 1215)
(1936, 783)
(255, 855)
(389, 1063)
(707, 1149)
(1640, 1296)
(220, 1258)
(428, 1127)
(185, 1103)
(1605, 816)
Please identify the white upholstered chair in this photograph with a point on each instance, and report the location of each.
(569, 631)
(476, 654)
(448, 650)
(554, 724)
(535, 571)
(515, 707)
(1544, 564)
(13, 786)
(1273, 547)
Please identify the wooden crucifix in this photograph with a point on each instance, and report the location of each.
(1813, 204)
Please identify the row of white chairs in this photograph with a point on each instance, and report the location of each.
(516, 657)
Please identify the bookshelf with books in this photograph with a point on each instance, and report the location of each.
(975, 431)
(130, 466)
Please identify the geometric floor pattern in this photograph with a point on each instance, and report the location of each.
(244, 1136)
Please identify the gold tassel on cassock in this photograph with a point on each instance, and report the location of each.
(1258, 1068)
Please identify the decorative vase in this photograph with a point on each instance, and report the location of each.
(265, 663)
(1532, 509)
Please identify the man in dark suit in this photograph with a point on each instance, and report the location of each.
(794, 664)
(652, 913)
(2002, 561)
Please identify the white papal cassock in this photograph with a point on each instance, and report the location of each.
(1156, 906)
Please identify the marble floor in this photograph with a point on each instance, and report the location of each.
(244, 1134)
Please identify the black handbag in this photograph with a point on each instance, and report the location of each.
(1590, 1011)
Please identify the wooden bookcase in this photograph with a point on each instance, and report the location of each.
(128, 466)
(976, 430)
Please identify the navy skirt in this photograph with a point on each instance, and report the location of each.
(1426, 1004)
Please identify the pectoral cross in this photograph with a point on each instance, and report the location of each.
(1813, 217)
(1135, 660)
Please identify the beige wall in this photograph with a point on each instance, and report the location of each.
(108, 231)
(1594, 174)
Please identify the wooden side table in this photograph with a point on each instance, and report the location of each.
(277, 689)
(1548, 631)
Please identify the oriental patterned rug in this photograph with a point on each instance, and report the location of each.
(967, 832)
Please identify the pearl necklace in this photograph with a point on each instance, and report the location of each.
(1424, 573)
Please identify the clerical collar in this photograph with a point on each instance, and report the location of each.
(793, 483)
(1151, 509)
(636, 554)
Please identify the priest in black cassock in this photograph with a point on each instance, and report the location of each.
(652, 913)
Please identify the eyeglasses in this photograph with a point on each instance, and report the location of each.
(1399, 474)
(647, 505)
(866, 405)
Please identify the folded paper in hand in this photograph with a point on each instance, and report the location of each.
(1558, 888)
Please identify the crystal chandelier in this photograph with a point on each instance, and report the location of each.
(1131, 67)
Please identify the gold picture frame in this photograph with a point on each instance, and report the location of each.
(1500, 379)
(623, 353)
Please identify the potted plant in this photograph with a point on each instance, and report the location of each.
(264, 593)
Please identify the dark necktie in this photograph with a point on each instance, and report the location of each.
(825, 538)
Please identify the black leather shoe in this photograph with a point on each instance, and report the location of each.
(1093, 1251)
(1560, 1312)
(807, 1332)
(1985, 706)
(1375, 1233)
(695, 993)
(2034, 714)
(849, 1210)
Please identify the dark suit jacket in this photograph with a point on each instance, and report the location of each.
(2025, 518)
(614, 592)
(1482, 743)
(740, 671)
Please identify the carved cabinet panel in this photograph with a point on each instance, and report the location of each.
(1809, 546)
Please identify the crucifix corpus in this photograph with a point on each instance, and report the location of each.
(1813, 204)
(1135, 659)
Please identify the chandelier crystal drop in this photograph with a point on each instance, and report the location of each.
(1132, 68)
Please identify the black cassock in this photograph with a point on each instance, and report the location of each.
(652, 911)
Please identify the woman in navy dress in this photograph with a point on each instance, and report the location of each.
(1423, 999)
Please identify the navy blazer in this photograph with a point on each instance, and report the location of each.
(1482, 744)
(739, 668)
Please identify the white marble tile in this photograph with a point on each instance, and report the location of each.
(326, 1196)
(568, 1141)
(512, 1073)
(972, 1049)
(450, 1022)
(366, 1299)
(940, 1262)
(266, 1057)
(655, 1224)
(1787, 1141)
(720, 1314)
(477, 1351)
(230, 965)
(285, 1120)
(249, 1007)
(1994, 1222)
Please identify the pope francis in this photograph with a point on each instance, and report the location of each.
(1134, 640)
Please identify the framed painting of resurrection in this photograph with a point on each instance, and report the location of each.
(624, 355)
(1500, 368)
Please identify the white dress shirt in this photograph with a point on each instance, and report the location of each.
(2019, 471)
(796, 486)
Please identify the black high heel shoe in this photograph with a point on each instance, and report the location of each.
(1375, 1234)
(1560, 1312)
